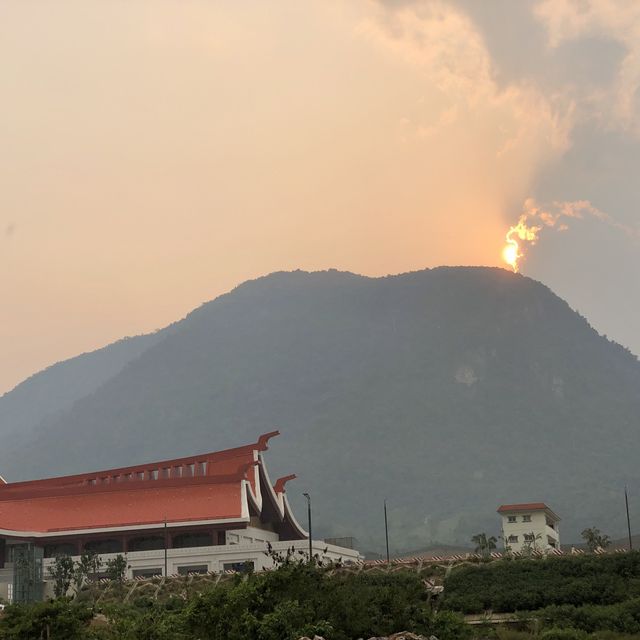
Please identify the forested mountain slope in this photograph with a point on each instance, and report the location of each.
(447, 391)
(57, 387)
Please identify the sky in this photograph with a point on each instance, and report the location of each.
(156, 153)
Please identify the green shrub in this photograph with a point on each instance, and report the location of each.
(563, 634)
(57, 619)
(293, 601)
(530, 584)
(297, 598)
(623, 617)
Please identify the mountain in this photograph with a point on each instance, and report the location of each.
(447, 391)
(57, 387)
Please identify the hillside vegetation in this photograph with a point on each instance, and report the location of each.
(298, 599)
(447, 391)
(527, 584)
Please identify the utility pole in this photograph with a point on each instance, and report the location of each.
(626, 502)
(308, 497)
(386, 529)
(165, 546)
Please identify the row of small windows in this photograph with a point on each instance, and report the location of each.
(526, 518)
(143, 543)
(180, 471)
(195, 569)
(528, 537)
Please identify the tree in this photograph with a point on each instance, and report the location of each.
(62, 572)
(530, 543)
(484, 545)
(86, 569)
(595, 539)
(116, 568)
(51, 620)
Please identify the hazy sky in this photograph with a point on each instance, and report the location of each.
(153, 154)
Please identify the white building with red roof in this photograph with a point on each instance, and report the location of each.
(531, 525)
(213, 512)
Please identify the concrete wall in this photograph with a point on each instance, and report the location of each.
(215, 558)
(243, 546)
(521, 527)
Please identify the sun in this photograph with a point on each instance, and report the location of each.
(519, 237)
(510, 254)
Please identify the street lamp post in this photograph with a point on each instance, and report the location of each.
(165, 547)
(386, 529)
(626, 502)
(308, 497)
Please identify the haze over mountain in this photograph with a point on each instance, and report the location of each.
(447, 391)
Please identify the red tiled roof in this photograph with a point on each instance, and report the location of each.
(216, 486)
(526, 506)
(217, 463)
(135, 507)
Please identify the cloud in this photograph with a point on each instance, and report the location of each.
(443, 42)
(500, 133)
(556, 215)
(532, 116)
(616, 20)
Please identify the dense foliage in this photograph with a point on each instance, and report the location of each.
(528, 584)
(623, 617)
(57, 619)
(297, 599)
(579, 598)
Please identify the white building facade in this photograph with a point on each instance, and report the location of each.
(213, 512)
(529, 527)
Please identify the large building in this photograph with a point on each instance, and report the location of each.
(207, 513)
(530, 526)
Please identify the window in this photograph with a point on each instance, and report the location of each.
(147, 573)
(240, 567)
(511, 518)
(104, 546)
(529, 537)
(60, 549)
(193, 568)
(186, 540)
(526, 518)
(146, 543)
(512, 539)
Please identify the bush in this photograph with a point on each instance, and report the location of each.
(57, 619)
(295, 600)
(563, 634)
(298, 598)
(623, 617)
(528, 584)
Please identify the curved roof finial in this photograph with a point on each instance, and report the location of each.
(278, 487)
(264, 439)
(243, 469)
